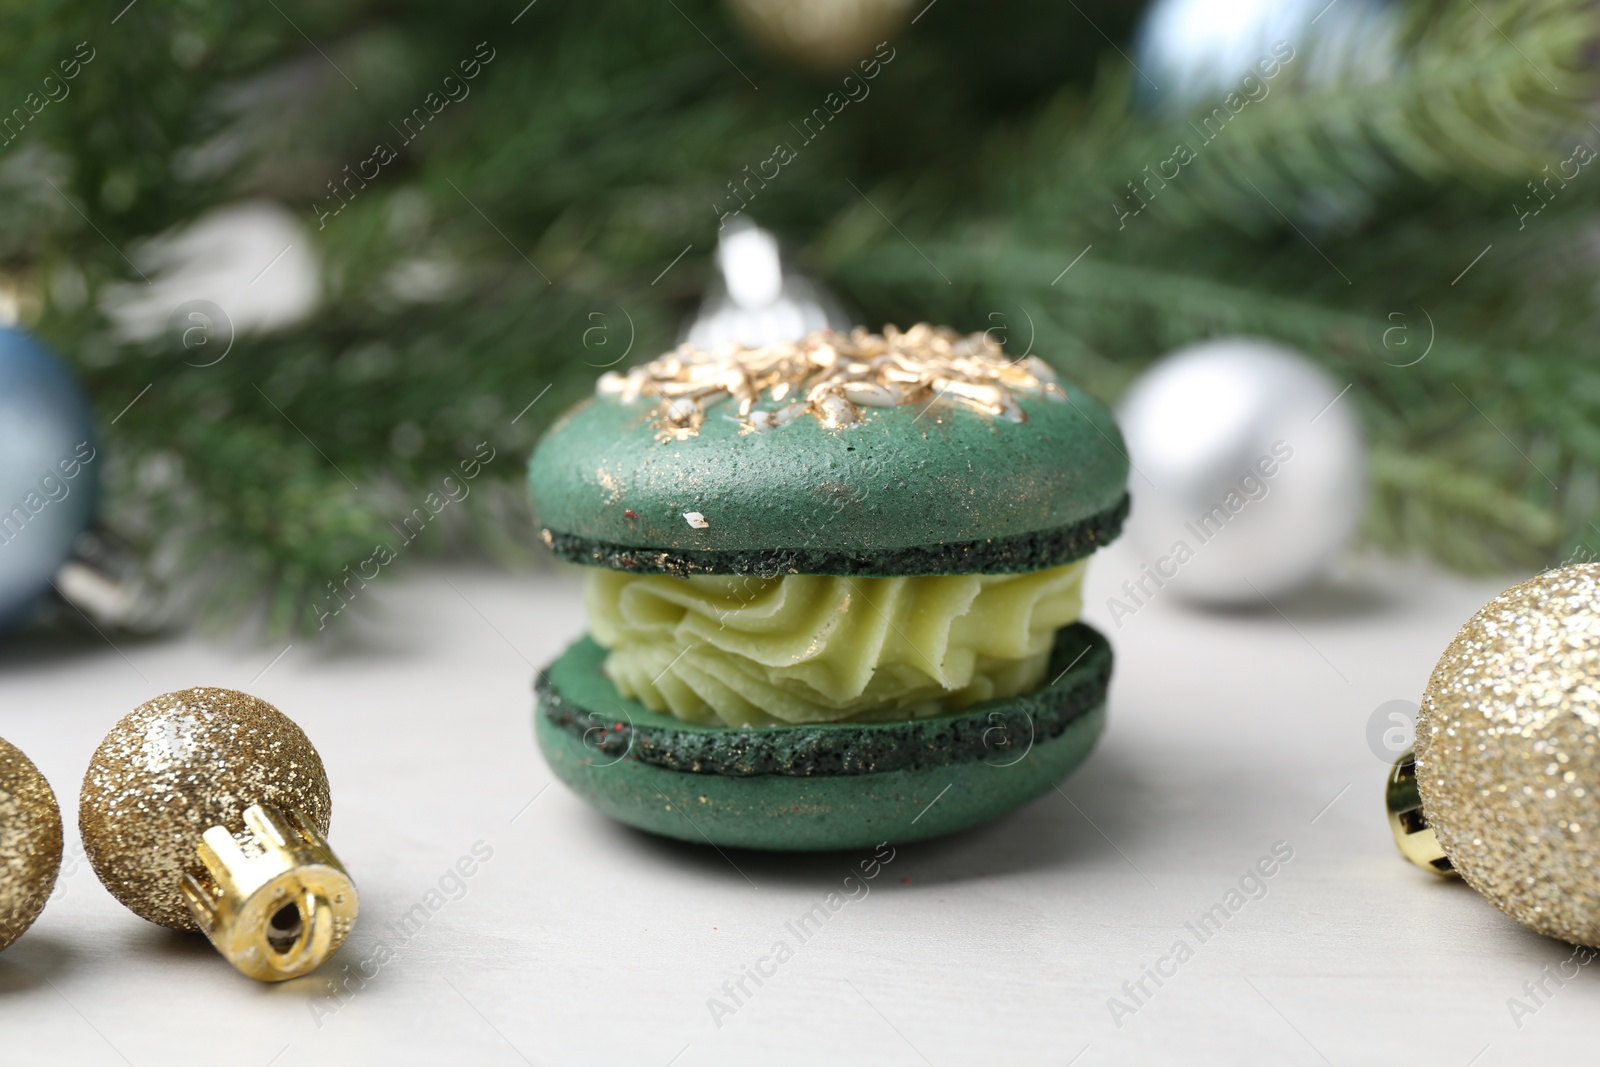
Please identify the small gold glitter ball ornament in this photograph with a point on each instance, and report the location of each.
(821, 34)
(1508, 753)
(208, 809)
(30, 843)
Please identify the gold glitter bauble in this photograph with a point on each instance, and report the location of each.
(30, 843)
(1508, 753)
(176, 766)
(821, 34)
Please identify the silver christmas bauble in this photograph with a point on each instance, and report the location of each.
(1249, 470)
(754, 301)
(49, 470)
(1193, 53)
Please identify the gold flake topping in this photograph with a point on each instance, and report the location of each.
(831, 377)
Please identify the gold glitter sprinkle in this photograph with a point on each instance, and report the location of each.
(173, 768)
(30, 843)
(831, 377)
(1508, 753)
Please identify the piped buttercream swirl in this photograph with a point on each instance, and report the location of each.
(744, 651)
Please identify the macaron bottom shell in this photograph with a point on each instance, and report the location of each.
(825, 786)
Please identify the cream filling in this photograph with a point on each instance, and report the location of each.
(804, 648)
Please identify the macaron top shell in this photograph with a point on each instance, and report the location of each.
(994, 469)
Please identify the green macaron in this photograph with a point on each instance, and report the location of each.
(848, 586)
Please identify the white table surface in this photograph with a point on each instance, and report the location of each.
(581, 942)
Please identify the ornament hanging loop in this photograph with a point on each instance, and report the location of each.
(1411, 830)
(276, 902)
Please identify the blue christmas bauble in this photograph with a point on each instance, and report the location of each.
(49, 471)
(1192, 54)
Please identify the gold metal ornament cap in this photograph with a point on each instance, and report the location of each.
(1508, 753)
(277, 906)
(177, 766)
(30, 843)
(1412, 834)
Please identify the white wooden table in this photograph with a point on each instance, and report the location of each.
(577, 941)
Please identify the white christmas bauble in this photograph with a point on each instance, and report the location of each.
(1249, 470)
(1193, 53)
(753, 300)
(251, 266)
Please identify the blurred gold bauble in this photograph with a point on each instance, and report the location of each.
(30, 843)
(177, 766)
(1508, 753)
(821, 34)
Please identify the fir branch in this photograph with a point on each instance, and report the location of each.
(1485, 96)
